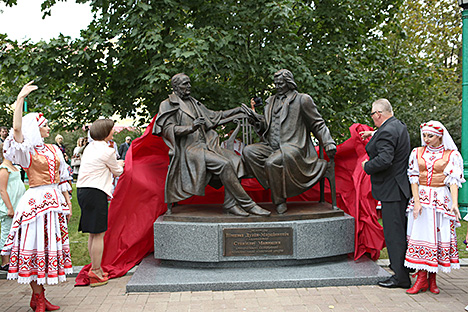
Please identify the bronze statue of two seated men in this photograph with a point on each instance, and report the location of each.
(285, 160)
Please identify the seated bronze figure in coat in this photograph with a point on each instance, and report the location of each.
(286, 161)
(187, 126)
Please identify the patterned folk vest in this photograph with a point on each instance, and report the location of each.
(44, 169)
(431, 173)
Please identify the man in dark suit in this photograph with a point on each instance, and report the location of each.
(388, 152)
(123, 148)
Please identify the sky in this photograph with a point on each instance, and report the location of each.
(24, 20)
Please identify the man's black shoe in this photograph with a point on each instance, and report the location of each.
(393, 283)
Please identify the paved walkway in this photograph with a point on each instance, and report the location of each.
(112, 297)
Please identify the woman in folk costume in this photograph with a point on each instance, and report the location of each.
(435, 173)
(38, 240)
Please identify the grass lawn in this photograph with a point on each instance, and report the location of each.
(78, 240)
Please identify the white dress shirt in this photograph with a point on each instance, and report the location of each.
(98, 163)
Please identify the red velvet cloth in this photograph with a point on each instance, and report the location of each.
(139, 200)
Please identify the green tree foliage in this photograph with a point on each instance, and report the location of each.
(231, 49)
(345, 53)
(420, 65)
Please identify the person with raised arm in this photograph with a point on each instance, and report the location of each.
(38, 243)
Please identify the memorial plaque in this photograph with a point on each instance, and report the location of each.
(258, 241)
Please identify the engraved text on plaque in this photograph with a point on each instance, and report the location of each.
(258, 241)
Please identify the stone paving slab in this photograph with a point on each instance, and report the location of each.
(113, 297)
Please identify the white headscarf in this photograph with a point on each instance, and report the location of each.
(30, 128)
(438, 129)
(31, 136)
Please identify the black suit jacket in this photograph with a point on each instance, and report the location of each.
(388, 151)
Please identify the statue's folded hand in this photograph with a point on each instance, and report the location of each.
(198, 122)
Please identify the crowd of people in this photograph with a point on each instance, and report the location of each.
(418, 191)
(37, 243)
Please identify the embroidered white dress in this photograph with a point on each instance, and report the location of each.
(38, 242)
(432, 240)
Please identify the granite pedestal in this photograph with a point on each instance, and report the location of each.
(153, 276)
(198, 248)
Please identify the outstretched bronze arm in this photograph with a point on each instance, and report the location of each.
(231, 118)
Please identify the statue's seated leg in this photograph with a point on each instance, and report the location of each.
(223, 167)
(274, 175)
(230, 205)
(243, 200)
(254, 156)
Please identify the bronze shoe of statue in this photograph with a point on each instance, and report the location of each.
(259, 211)
(281, 208)
(236, 210)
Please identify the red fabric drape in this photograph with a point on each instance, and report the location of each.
(139, 200)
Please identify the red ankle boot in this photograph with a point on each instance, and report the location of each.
(40, 302)
(432, 284)
(48, 306)
(420, 285)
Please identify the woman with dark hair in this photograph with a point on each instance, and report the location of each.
(38, 243)
(94, 186)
